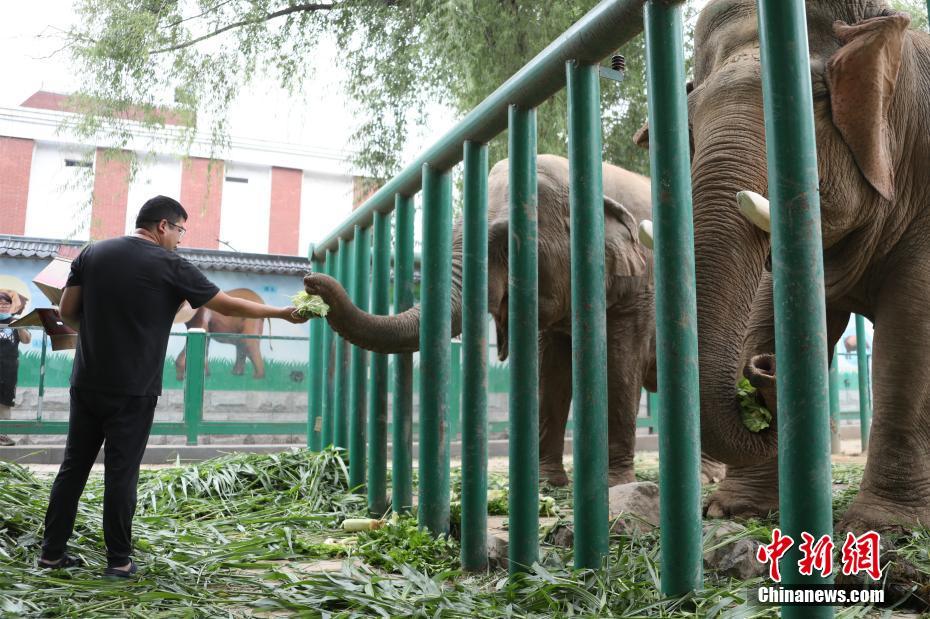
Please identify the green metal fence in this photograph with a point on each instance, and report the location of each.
(573, 60)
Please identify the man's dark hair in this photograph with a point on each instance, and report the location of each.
(158, 208)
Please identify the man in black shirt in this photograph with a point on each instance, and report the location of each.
(122, 296)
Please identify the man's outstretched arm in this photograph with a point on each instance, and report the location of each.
(233, 306)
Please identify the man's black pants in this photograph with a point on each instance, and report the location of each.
(124, 421)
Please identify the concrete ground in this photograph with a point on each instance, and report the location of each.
(852, 454)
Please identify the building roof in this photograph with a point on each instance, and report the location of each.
(210, 259)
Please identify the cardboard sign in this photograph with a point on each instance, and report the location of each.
(62, 336)
(51, 281)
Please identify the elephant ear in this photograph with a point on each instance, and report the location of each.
(625, 255)
(861, 76)
(641, 137)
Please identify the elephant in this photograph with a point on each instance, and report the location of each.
(630, 308)
(871, 94)
(216, 323)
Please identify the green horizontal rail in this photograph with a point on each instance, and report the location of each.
(242, 336)
(600, 32)
(27, 426)
(167, 428)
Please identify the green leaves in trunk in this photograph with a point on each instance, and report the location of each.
(755, 416)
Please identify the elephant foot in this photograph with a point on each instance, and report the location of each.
(258, 375)
(747, 492)
(712, 471)
(237, 371)
(736, 504)
(553, 473)
(618, 475)
(869, 512)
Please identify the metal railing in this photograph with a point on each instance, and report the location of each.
(572, 60)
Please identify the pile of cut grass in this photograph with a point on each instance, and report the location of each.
(239, 535)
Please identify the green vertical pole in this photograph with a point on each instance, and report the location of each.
(455, 402)
(797, 274)
(589, 315)
(865, 395)
(475, 359)
(193, 383)
(652, 410)
(358, 376)
(315, 384)
(378, 387)
(341, 404)
(329, 365)
(836, 445)
(402, 407)
(676, 308)
(523, 332)
(435, 350)
(42, 361)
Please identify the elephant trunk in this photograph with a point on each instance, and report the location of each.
(399, 333)
(730, 255)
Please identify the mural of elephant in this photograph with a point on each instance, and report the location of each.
(216, 323)
(630, 321)
(871, 104)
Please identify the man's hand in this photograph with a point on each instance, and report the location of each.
(290, 314)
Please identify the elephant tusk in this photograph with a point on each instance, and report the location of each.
(755, 208)
(645, 233)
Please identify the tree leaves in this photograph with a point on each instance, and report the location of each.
(401, 58)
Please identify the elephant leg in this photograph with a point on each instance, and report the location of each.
(626, 351)
(555, 398)
(239, 367)
(895, 488)
(253, 349)
(747, 492)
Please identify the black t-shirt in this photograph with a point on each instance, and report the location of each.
(130, 291)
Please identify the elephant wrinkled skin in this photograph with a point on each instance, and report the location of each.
(630, 321)
(871, 87)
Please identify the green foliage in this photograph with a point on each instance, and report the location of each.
(755, 416)
(309, 305)
(404, 543)
(242, 536)
(917, 9)
(400, 57)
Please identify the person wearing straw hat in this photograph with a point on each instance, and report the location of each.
(10, 338)
(122, 296)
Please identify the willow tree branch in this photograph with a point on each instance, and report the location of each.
(245, 22)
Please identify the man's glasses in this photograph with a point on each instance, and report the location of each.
(180, 229)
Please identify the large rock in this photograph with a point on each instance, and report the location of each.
(729, 553)
(562, 535)
(498, 549)
(634, 507)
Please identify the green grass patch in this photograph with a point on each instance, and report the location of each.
(235, 536)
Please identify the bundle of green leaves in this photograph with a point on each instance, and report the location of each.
(755, 416)
(309, 305)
